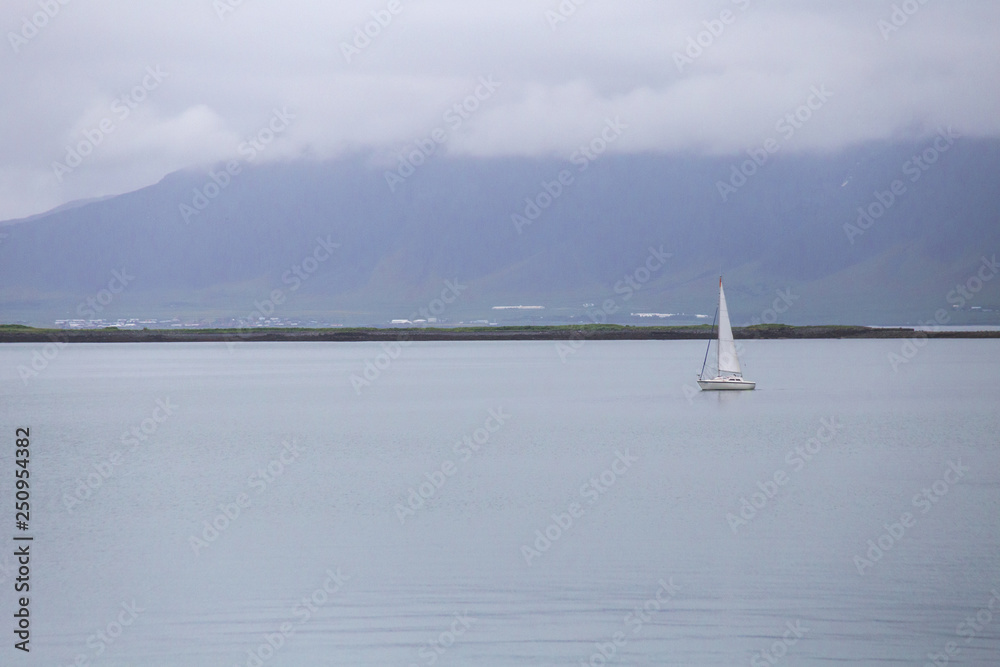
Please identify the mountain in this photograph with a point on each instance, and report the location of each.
(480, 233)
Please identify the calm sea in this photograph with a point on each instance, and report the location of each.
(505, 504)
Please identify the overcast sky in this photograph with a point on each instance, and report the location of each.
(210, 75)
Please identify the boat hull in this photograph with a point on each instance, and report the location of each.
(726, 384)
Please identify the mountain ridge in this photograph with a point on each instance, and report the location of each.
(787, 228)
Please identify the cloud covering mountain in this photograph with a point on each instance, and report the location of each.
(145, 89)
(877, 234)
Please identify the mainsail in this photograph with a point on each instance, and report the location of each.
(728, 361)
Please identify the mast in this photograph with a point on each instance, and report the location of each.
(718, 348)
(728, 361)
(710, 336)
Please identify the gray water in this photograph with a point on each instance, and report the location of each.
(652, 563)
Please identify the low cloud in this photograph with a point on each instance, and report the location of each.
(937, 66)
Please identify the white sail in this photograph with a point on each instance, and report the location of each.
(730, 375)
(728, 361)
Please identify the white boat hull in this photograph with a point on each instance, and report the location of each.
(731, 383)
(730, 374)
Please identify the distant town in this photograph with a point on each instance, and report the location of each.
(233, 323)
(683, 319)
(174, 323)
(133, 323)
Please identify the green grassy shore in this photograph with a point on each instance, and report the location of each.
(15, 333)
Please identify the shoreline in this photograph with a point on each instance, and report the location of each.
(23, 334)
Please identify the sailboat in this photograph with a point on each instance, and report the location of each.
(730, 375)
